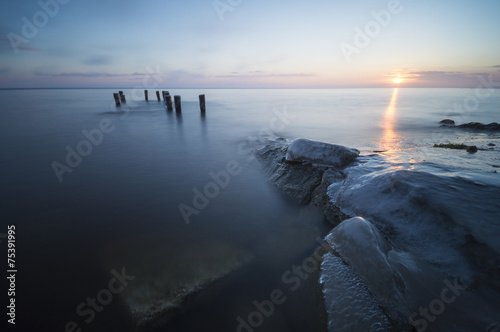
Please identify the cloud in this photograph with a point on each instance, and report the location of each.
(437, 73)
(28, 48)
(98, 60)
(497, 66)
(261, 74)
(76, 74)
(437, 78)
(6, 46)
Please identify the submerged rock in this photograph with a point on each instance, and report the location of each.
(168, 274)
(304, 150)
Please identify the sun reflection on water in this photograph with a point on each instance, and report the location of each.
(390, 139)
(392, 143)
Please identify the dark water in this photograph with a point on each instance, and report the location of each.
(119, 205)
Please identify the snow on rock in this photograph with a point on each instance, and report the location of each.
(304, 150)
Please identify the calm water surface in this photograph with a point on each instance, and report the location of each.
(125, 193)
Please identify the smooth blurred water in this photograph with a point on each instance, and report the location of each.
(129, 188)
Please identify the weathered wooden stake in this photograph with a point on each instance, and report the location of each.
(146, 94)
(158, 95)
(165, 94)
(168, 101)
(178, 106)
(122, 97)
(202, 103)
(117, 98)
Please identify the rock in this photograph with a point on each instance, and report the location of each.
(361, 244)
(295, 180)
(491, 144)
(307, 151)
(479, 126)
(303, 182)
(372, 265)
(472, 149)
(447, 122)
(168, 274)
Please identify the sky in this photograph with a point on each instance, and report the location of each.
(249, 44)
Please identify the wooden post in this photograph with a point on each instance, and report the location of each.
(146, 94)
(178, 106)
(117, 99)
(202, 103)
(122, 97)
(158, 95)
(168, 101)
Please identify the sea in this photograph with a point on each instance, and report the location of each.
(94, 190)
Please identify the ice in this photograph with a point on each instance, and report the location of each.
(433, 215)
(365, 250)
(304, 150)
(349, 304)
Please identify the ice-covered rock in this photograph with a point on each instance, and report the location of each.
(303, 182)
(364, 248)
(349, 304)
(426, 214)
(371, 277)
(304, 150)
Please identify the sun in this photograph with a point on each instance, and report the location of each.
(397, 80)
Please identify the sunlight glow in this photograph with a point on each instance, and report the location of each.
(389, 138)
(398, 80)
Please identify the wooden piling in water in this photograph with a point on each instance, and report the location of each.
(168, 101)
(117, 99)
(146, 95)
(158, 95)
(202, 103)
(178, 106)
(122, 97)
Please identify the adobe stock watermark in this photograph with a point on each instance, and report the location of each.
(293, 279)
(152, 80)
(421, 319)
(221, 180)
(84, 148)
(461, 111)
(221, 7)
(483, 90)
(277, 123)
(93, 138)
(30, 28)
(87, 310)
(372, 29)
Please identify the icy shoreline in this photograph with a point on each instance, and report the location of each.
(422, 235)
